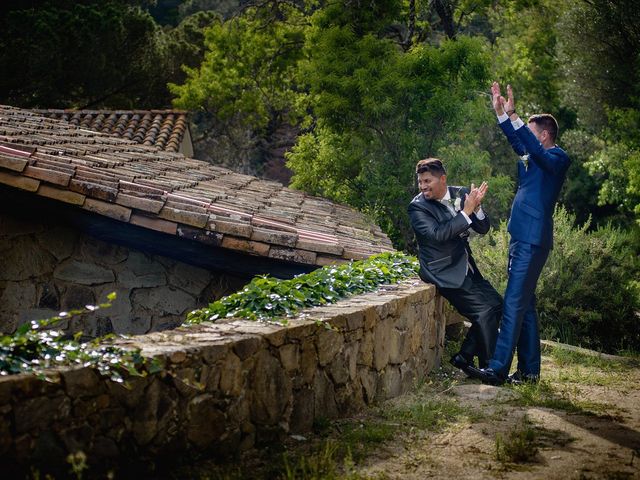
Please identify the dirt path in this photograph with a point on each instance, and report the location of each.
(582, 421)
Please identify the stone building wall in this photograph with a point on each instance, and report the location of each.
(229, 386)
(46, 270)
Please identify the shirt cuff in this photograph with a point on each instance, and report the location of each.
(517, 123)
(466, 216)
(503, 118)
(480, 214)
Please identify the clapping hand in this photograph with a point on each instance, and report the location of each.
(474, 198)
(501, 104)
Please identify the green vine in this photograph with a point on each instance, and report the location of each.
(35, 347)
(266, 298)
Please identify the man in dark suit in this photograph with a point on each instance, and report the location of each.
(541, 173)
(441, 217)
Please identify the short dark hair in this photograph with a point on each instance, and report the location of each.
(547, 122)
(431, 165)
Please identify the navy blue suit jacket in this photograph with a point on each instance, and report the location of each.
(539, 185)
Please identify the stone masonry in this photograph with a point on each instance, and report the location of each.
(46, 270)
(229, 386)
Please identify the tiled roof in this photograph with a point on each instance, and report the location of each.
(160, 128)
(167, 192)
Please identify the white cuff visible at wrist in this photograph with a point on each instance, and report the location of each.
(503, 118)
(464, 214)
(517, 123)
(480, 214)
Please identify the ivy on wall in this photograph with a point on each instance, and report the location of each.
(36, 347)
(266, 298)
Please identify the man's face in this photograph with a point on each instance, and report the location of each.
(432, 186)
(541, 135)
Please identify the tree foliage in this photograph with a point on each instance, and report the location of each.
(249, 69)
(600, 58)
(379, 109)
(91, 54)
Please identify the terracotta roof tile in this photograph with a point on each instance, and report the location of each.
(169, 193)
(164, 129)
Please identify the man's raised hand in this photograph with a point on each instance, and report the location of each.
(474, 198)
(510, 104)
(498, 99)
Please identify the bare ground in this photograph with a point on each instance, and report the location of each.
(581, 422)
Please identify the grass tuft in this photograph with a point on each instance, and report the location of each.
(519, 445)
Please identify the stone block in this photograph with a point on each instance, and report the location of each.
(206, 422)
(381, 347)
(338, 370)
(192, 280)
(308, 361)
(324, 396)
(290, 357)
(59, 241)
(163, 300)
(81, 382)
(271, 390)
(83, 273)
(368, 380)
(329, 343)
(390, 384)
(245, 347)
(93, 250)
(231, 376)
(302, 413)
(365, 353)
(399, 346)
(26, 260)
(212, 353)
(36, 414)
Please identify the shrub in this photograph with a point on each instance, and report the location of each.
(586, 293)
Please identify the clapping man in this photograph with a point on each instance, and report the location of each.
(441, 217)
(541, 173)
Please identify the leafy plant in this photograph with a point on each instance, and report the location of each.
(35, 347)
(267, 298)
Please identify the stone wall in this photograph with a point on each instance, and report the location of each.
(229, 386)
(46, 270)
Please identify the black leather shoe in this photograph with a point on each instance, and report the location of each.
(486, 375)
(459, 361)
(519, 378)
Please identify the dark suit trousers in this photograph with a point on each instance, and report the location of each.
(519, 326)
(479, 302)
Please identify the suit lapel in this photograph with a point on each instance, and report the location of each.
(440, 210)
